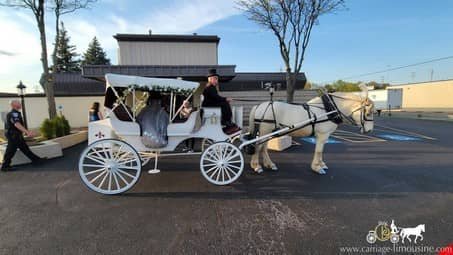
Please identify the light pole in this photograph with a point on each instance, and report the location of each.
(21, 92)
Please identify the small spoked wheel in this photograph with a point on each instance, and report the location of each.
(110, 166)
(206, 143)
(222, 163)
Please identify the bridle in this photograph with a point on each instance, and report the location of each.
(362, 108)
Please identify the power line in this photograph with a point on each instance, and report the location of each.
(396, 68)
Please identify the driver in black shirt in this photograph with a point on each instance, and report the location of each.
(213, 99)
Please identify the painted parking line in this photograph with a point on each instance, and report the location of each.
(402, 131)
(394, 137)
(312, 140)
(354, 137)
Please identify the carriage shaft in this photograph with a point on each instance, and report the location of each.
(284, 130)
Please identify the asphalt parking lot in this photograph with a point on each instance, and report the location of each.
(403, 171)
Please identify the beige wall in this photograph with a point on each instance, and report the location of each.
(167, 53)
(436, 94)
(75, 109)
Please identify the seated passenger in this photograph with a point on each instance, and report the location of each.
(153, 120)
(186, 110)
(213, 99)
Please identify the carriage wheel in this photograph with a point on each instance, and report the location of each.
(206, 143)
(222, 163)
(145, 159)
(110, 166)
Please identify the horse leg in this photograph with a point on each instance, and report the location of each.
(322, 163)
(255, 161)
(267, 159)
(316, 164)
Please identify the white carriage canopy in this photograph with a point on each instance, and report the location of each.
(120, 87)
(150, 84)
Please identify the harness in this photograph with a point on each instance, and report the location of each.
(334, 117)
(329, 105)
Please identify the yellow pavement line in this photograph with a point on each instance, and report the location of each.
(406, 132)
(360, 141)
(369, 138)
(355, 134)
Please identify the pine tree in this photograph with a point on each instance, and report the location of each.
(66, 53)
(95, 55)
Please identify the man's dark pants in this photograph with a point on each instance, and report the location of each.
(16, 141)
(226, 113)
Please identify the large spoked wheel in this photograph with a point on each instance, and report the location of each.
(222, 163)
(145, 159)
(206, 143)
(110, 166)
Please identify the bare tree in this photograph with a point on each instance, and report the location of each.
(291, 21)
(39, 8)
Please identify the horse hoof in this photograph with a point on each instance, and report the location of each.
(273, 168)
(320, 171)
(258, 170)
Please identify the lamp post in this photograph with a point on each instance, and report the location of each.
(21, 92)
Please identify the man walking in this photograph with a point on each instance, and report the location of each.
(213, 99)
(14, 128)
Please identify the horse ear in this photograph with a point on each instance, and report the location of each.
(364, 90)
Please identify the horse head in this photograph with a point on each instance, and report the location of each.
(361, 109)
(422, 228)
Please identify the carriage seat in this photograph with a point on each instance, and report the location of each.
(185, 128)
(122, 127)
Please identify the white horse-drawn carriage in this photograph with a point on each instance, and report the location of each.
(112, 162)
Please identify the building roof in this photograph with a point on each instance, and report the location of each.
(7, 94)
(166, 38)
(265, 76)
(73, 84)
(254, 81)
(187, 72)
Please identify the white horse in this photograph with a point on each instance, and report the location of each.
(417, 232)
(355, 108)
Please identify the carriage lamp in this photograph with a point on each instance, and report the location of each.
(21, 93)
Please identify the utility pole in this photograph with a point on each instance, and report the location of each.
(432, 73)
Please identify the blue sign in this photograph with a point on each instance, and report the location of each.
(399, 137)
(312, 140)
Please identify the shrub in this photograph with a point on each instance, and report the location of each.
(67, 127)
(56, 127)
(47, 129)
(59, 128)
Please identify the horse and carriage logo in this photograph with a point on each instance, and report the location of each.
(385, 232)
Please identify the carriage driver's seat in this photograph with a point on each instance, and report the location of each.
(192, 124)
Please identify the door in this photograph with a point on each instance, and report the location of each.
(395, 98)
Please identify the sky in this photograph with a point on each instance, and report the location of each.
(364, 37)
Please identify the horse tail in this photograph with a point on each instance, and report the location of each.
(252, 120)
